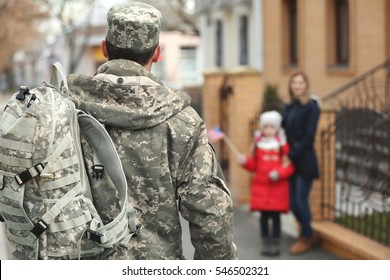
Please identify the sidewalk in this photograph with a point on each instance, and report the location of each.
(246, 237)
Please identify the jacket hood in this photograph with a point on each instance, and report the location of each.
(124, 94)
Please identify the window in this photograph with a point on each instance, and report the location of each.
(339, 34)
(188, 66)
(218, 43)
(243, 40)
(290, 32)
(342, 31)
(387, 28)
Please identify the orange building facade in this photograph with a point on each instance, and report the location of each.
(333, 41)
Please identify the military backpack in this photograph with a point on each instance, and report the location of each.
(54, 204)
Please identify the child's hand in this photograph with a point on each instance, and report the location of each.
(285, 161)
(274, 176)
(241, 159)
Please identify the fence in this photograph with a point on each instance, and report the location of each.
(355, 155)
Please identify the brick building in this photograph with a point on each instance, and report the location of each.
(336, 42)
(333, 41)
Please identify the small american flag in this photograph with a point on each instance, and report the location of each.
(215, 134)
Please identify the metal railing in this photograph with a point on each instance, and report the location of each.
(355, 155)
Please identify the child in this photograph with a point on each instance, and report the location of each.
(270, 187)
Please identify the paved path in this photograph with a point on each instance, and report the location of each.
(246, 237)
(246, 232)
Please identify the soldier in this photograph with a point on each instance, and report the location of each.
(163, 144)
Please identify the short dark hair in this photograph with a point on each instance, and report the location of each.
(141, 57)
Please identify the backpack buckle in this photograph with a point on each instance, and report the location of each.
(137, 230)
(97, 171)
(39, 228)
(26, 175)
(94, 236)
(23, 90)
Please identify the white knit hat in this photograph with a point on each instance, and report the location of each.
(271, 118)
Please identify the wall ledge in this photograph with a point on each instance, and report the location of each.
(237, 70)
(349, 244)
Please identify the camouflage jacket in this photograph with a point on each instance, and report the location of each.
(169, 165)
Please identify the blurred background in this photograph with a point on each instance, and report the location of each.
(234, 58)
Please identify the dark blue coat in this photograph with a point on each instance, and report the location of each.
(300, 124)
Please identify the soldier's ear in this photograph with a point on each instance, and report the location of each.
(157, 54)
(104, 48)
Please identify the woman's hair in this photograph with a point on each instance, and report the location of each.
(141, 57)
(305, 78)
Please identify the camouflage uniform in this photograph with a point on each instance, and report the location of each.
(169, 164)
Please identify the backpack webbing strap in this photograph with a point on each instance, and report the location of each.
(53, 212)
(69, 224)
(109, 234)
(25, 128)
(16, 145)
(18, 225)
(14, 161)
(61, 182)
(39, 169)
(61, 147)
(64, 163)
(6, 173)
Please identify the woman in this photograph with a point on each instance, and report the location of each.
(300, 120)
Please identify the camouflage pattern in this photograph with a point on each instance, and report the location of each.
(42, 126)
(134, 26)
(169, 165)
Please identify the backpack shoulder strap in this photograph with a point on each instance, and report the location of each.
(58, 79)
(104, 149)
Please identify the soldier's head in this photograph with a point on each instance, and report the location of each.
(133, 33)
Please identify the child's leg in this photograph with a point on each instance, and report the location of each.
(264, 217)
(265, 237)
(276, 225)
(276, 233)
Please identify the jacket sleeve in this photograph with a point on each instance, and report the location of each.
(250, 163)
(205, 201)
(300, 146)
(285, 171)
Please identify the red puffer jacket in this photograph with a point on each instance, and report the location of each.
(267, 195)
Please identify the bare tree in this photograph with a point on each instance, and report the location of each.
(77, 34)
(186, 17)
(176, 16)
(74, 17)
(18, 21)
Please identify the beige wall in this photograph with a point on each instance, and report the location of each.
(367, 42)
(243, 105)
